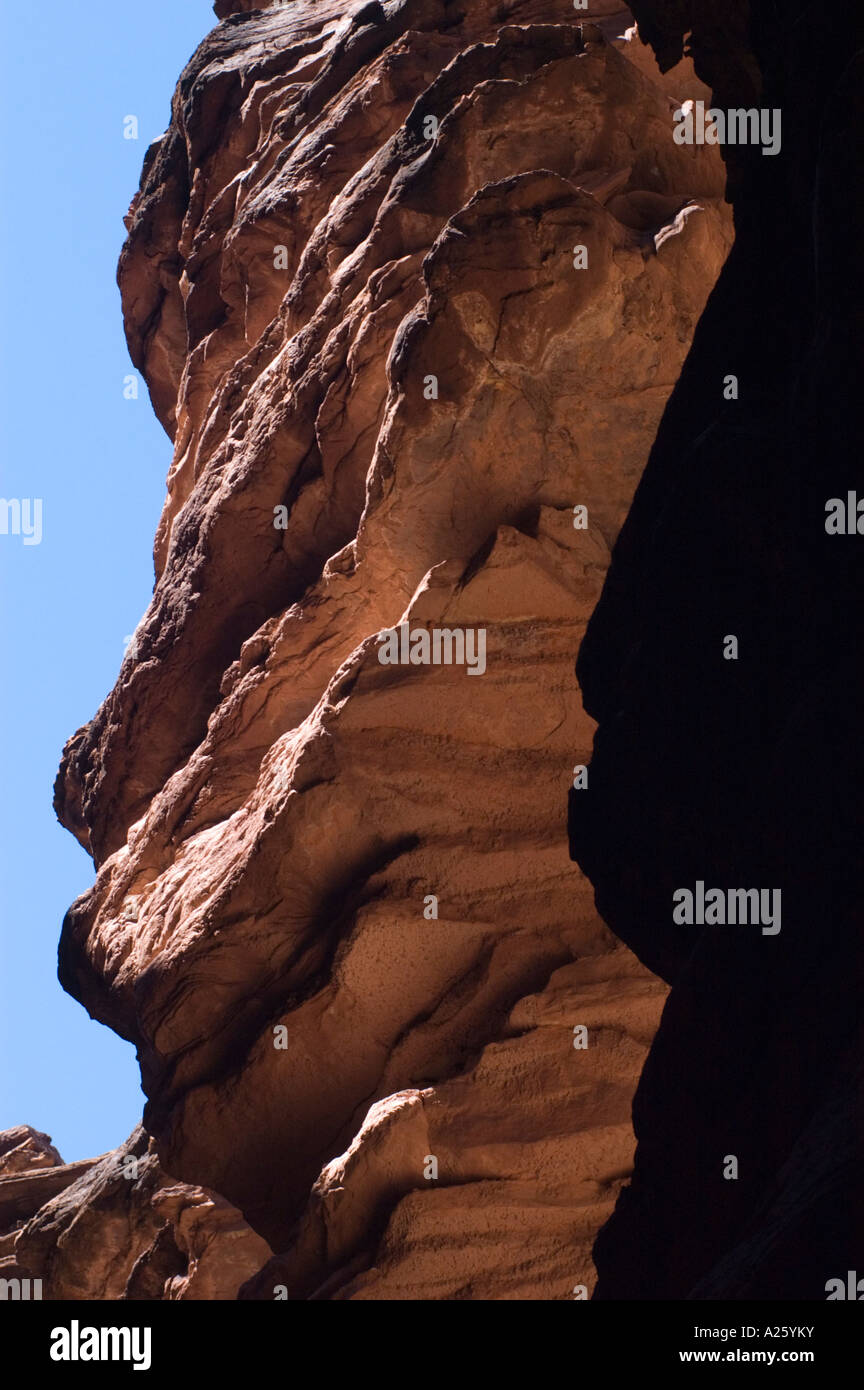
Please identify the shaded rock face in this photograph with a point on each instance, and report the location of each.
(118, 1228)
(747, 772)
(32, 1173)
(530, 1144)
(409, 284)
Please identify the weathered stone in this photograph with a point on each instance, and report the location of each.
(123, 1230)
(746, 771)
(413, 282)
(23, 1148)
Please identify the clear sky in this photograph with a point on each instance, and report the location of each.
(71, 73)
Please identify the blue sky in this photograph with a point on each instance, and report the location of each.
(98, 462)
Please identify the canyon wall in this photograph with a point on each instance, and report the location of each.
(115, 1227)
(410, 285)
(741, 766)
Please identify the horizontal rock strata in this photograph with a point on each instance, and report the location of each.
(117, 1228)
(410, 285)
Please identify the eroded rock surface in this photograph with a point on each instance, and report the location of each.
(334, 907)
(530, 1146)
(746, 772)
(117, 1227)
(32, 1173)
(24, 1149)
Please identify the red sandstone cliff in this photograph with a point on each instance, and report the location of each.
(334, 907)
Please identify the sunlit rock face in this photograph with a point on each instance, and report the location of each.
(410, 284)
(742, 766)
(117, 1228)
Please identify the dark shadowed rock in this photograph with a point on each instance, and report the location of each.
(746, 772)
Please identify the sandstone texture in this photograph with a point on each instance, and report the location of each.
(748, 771)
(409, 283)
(32, 1174)
(23, 1150)
(117, 1228)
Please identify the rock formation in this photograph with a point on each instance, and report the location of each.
(116, 1227)
(747, 771)
(410, 284)
(32, 1173)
